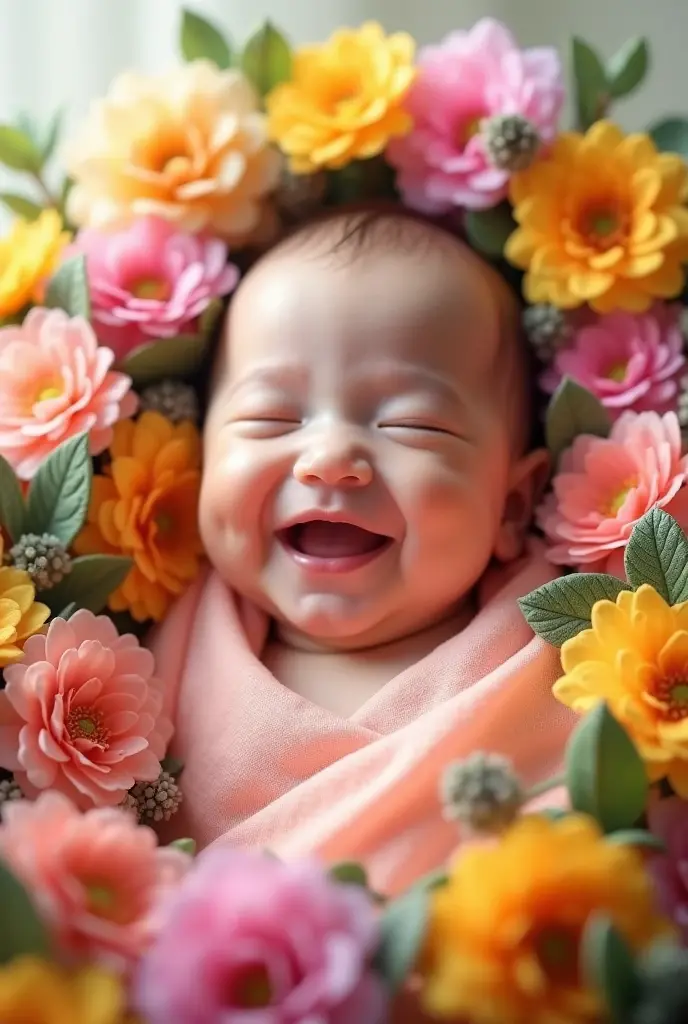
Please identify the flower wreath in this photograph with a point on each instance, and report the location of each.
(110, 290)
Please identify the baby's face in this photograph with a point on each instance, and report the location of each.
(358, 456)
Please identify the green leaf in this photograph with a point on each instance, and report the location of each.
(18, 150)
(609, 966)
(488, 230)
(671, 135)
(68, 288)
(592, 89)
(605, 775)
(185, 845)
(573, 410)
(627, 68)
(12, 507)
(403, 925)
(60, 491)
(657, 553)
(66, 612)
(553, 813)
(22, 933)
(349, 873)
(200, 39)
(562, 608)
(170, 357)
(266, 59)
(52, 134)
(22, 206)
(639, 837)
(90, 583)
(173, 765)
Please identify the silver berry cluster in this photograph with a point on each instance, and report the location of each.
(43, 556)
(482, 792)
(152, 802)
(512, 142)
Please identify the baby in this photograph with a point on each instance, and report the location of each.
(367, 492)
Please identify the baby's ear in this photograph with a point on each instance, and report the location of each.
(527, 484)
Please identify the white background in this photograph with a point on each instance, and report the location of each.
(63, 53)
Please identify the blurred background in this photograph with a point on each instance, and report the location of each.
(64, 52)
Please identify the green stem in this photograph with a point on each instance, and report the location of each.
(46, 194)
(544, 787)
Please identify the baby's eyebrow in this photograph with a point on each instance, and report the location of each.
(270, 375)
(404, 376)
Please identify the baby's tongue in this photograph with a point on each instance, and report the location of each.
(335, 540)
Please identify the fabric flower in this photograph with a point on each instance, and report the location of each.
(247, 935)
(605, 485)
(151, 281)
(470, 77)
(345, 98)
(20, 615)
(635, 657)
(504, 933)
(55, 382)
(97, 878)
(29, 254)
(188, 145)
(83, 713)
(601, 220)
(628, 362)
(145, 506)
(668, 820)
(33, 991)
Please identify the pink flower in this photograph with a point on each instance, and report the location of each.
(98, 878)
(668, 820)
(628, 362)
(151, 281)
(605, 485)
(55, 382)
(472, 75)
(82, 713)
(247, 937)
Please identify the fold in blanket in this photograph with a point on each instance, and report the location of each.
(264, 767)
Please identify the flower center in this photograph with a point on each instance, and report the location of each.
(84, 723)
(602, 224)
(611, 507)
(250, 988)
(48, 390)
(466, 129)
(105, 901)
(151, 288)
(617, 372)
(164, 522)
(672, 694)
(556, 949)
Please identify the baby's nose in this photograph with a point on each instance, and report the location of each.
(334, 463)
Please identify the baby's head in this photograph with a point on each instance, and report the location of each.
(366, 443)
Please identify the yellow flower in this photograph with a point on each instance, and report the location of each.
(504, 934)
(28, 256)
(145, 506)
(35, 992)
(344, 101)
(601, 221)
(635, 657)
(20, 615)
(189, 145)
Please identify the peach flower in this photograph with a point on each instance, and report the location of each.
(189, 145)
(55, 382)
(97, 878)
(82, 713)
(605, 485)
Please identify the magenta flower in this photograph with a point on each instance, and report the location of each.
(443, 163)
(628, 362)
(668, 820)
(606, 484)
(247, 937)
(151, 281)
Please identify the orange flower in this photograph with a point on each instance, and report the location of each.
(188, 145)
(344, 101)
(601, 221)
(504, 935)
(145, 506)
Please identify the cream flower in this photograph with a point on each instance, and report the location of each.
(189, 145)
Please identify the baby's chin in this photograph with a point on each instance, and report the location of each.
(330, 622)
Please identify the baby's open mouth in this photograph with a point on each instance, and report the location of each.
(319, 539)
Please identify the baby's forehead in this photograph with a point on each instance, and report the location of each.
(405, 288)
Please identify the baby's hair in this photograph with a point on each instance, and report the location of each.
(366, 226)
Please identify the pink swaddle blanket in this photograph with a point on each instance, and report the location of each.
(265, 767)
